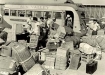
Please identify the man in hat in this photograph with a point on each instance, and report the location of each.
(95, 27)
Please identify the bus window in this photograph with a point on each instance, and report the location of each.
(28, 13)
(48, 14)
(38, 14)
(6, 12)
(57, 15)
(21, 13)
(13, 13)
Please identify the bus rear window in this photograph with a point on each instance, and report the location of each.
(6, 12)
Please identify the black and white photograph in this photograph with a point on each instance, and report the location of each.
(52, 37)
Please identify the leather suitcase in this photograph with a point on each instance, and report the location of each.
(91, 67)
(75, 60)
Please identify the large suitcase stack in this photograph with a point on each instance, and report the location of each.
(61, 58)
(8, 66)
(23, 56)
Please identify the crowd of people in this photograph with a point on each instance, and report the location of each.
(39, 27)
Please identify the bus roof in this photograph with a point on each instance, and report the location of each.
(49, 4)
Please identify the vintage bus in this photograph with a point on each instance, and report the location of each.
(19, 13)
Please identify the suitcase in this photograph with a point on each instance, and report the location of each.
(100, 32)
(75, 39)
(8, 66)
(6, 51)
(23, 42)
(19, 28)
(61, 58)
(49, 63)
(22, 54)
(53, 44)
(75, 60)
(37, 70)
(42, 54)
(69, 45)
(35, 56)
(91, 67)
(33, 41)
(91, 40)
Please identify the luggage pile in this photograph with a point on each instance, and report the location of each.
(62, 51)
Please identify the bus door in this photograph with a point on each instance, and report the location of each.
(69, 16)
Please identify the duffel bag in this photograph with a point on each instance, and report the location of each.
(89, 40)
(3, 35)
(101, 42)
(86, 48)
(75, 39)
(23, 56)
(8, 66)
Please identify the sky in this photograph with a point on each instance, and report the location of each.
(85, 2)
